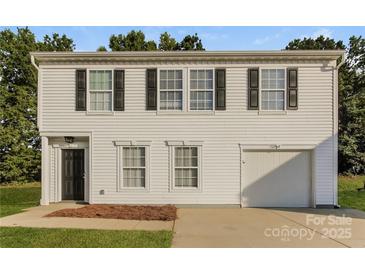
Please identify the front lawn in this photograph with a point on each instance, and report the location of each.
(348, 196)
(16, 197)
(51, 237)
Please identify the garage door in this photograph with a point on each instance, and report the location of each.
(276, 179)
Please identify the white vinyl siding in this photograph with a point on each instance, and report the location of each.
(171, 89)
(272, 89)
(201, 89)
(220, 131)
(101, 89)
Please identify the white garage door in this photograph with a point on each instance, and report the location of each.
(276, 179)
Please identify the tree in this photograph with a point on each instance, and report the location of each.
(191, 42)
(352, 109)
(101, 48)
(320, 43)
(167, 42)
(56, 43)
(19, 138)
(133, 41)
(351, 99)
(151, 45)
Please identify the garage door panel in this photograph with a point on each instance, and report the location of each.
(277, 179)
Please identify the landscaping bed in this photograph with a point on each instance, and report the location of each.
(125, 212)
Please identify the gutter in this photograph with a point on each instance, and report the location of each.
(185, 55)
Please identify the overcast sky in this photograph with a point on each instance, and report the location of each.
(214, 38)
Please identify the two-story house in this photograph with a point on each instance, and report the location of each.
(248, 128)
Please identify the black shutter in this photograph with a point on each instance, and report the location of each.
(81, 90)
(151, 89)
(253, 88)
(220, 89)
(292, 94)
(119, 90)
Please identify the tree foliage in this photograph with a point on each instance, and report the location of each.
(320, 43)
(101, 48)
(191, 42)
(167, 42)
(351, 99)
(19, 138)
(135, 41)
(56, 43)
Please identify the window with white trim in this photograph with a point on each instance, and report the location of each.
(186, 167)
(134, 167)
(201, 89)
(272, 89)
(171, 89)
(101, 90)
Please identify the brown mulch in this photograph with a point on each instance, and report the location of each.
(125, 212)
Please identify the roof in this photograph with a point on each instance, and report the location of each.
(187, 55)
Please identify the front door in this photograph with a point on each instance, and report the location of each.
(73, 174)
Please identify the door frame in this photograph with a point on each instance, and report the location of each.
(62, 173)
(59, 169)
(311, 148)
(48, 163)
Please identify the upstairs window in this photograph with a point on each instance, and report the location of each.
(272, 89)
(201, 89)
(171, 89)
(101, 89)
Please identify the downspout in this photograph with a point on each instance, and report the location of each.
(32, 60)
(335, 129)
(342, 61)
(39, 113)
(45, 155)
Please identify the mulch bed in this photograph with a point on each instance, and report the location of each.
(125, 212)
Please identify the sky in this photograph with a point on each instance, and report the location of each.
(214, 38)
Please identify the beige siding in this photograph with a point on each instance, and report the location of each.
(221, 132)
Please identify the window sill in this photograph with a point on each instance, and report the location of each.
(185, 189)
(133, 189)
(268, 112)
(102, 113)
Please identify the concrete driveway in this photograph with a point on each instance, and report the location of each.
(258, 227)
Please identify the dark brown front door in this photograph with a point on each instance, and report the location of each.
(72, 174)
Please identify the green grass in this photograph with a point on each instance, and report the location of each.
(16, 197)
(348, 195)
(75, 238)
